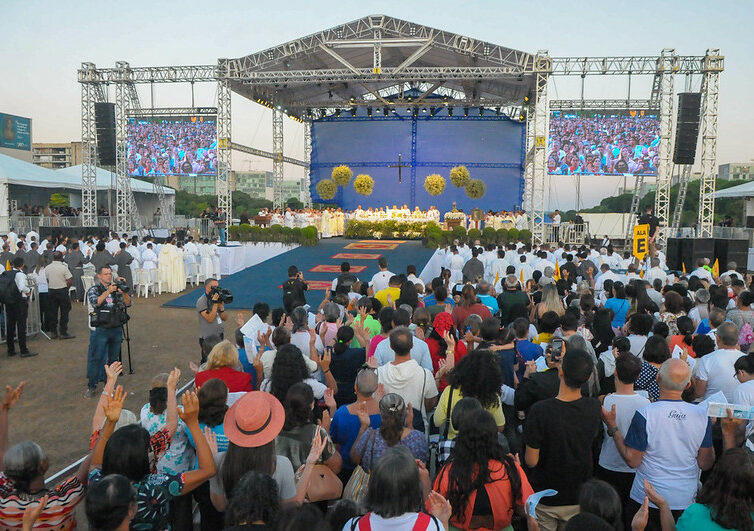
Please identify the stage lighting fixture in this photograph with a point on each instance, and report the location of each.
(465, 111)
(279, 107)
(424, 109)
(416, 112)
(450, 111)
(353, 111)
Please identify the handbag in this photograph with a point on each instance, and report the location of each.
(324, 485)
(356, 488)
(439, 451)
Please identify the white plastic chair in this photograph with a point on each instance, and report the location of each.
(196, 273)
(141, 282)
(156, 281)
(88, 282)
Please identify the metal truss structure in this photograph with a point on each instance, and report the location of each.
(222, 182)
(91, 92)
(307, 197)
(666, 72)
(713, 66)
(381, 62)
(634, 210)
(683, 186)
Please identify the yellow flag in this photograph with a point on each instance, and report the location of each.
(556, 274)
(641, 273)
(716, 269)
(522, 277)
(683, 265)
(497, 277)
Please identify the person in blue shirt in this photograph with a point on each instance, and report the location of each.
(619, 304)
(483, 294)
(525, 349)
(246, 364)
(345, 425)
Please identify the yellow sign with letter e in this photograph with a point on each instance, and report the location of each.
(641, 241)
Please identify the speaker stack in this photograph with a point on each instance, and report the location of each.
(104, 118)
(687, 127)
(686, 251)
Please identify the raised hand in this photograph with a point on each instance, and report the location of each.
(330, 398)
(324, 362)
(450, 340)
(439, 506)
(609, 417)
(194, 367)
(114, 404)
(380, 392)
(654, 496)
(730, 424)
(211, 438)
(190, 412)
(113, 370)
(173, 378)
(372, 362)
(318, 445)
(361, 412)
(531, 368)
(241, 319)
(282, 320)
(409, 416)
(32, 513)
(641, 518)
(362, 313)
(12, 395)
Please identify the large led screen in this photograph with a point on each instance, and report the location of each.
(182, 145)
(599, 143)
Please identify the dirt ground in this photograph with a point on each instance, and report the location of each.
(52, 410)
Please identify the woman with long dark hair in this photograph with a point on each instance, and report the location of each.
(672, 309)
(484, 484)
(726, 499)
(409, 295)
(478, 375)
(469, 305)
(290, 368)
(685, 336)
(619, 304)
(602, 330)
(346, 360)
(255, 504)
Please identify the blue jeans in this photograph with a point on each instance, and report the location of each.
(223, 235)
(104, 348)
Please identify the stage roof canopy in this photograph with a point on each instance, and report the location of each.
(364, 61)
(742, 190)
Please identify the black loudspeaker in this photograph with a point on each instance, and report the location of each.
(687, 127)
(104, 117)
(686, 251)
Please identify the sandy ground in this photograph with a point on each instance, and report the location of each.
(52, 410)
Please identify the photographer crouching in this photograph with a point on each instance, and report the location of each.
(211, 309)
(108, 300)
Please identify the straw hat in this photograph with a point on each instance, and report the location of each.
(254, 420)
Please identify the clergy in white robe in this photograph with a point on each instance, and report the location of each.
(149, 258)
(325, 224)
(215, 250)
(205, 255)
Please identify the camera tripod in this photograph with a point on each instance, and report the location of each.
(127, 338)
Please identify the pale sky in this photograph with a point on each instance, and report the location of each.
(43, 42)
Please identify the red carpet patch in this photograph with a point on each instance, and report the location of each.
(375, 246)
(335, 269)
(382, 241)
(354, 256)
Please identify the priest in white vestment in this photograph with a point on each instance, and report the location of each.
(205, 254)
(215, 253)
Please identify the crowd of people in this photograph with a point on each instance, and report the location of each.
(523, 388)
(47, 211)
(171, 147)
(598, 145)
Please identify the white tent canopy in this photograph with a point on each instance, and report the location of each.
(741, 191)
(18, 172)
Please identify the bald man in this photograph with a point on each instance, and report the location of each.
(668, 442)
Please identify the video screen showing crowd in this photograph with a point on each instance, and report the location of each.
(524, 387)
(603, 144)
(158, 146)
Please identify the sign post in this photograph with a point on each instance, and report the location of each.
(641, 241)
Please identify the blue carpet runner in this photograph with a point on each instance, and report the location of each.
(320, 264)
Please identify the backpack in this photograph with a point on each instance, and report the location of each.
(9, 292)
(746, 336)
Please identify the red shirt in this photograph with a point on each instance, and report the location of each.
(434, 349)
(236, 381)
(461, 313)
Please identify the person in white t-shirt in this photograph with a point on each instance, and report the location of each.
(381, 280)
(731, 272)
(744, 393)
(612, 467)
(714, 372)
(405, 377)
(700, 272)
(667, 443)
(656, 272)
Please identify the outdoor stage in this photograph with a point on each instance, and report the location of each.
(320, 265)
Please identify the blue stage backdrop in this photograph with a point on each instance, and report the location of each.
(491, 146)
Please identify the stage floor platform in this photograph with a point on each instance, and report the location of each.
(320, 264)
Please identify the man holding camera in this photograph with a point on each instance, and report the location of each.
(211, 314)
(108, 300)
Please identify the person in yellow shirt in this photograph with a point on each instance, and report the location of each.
(393, 289)
(477, 375)
(548, 323)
